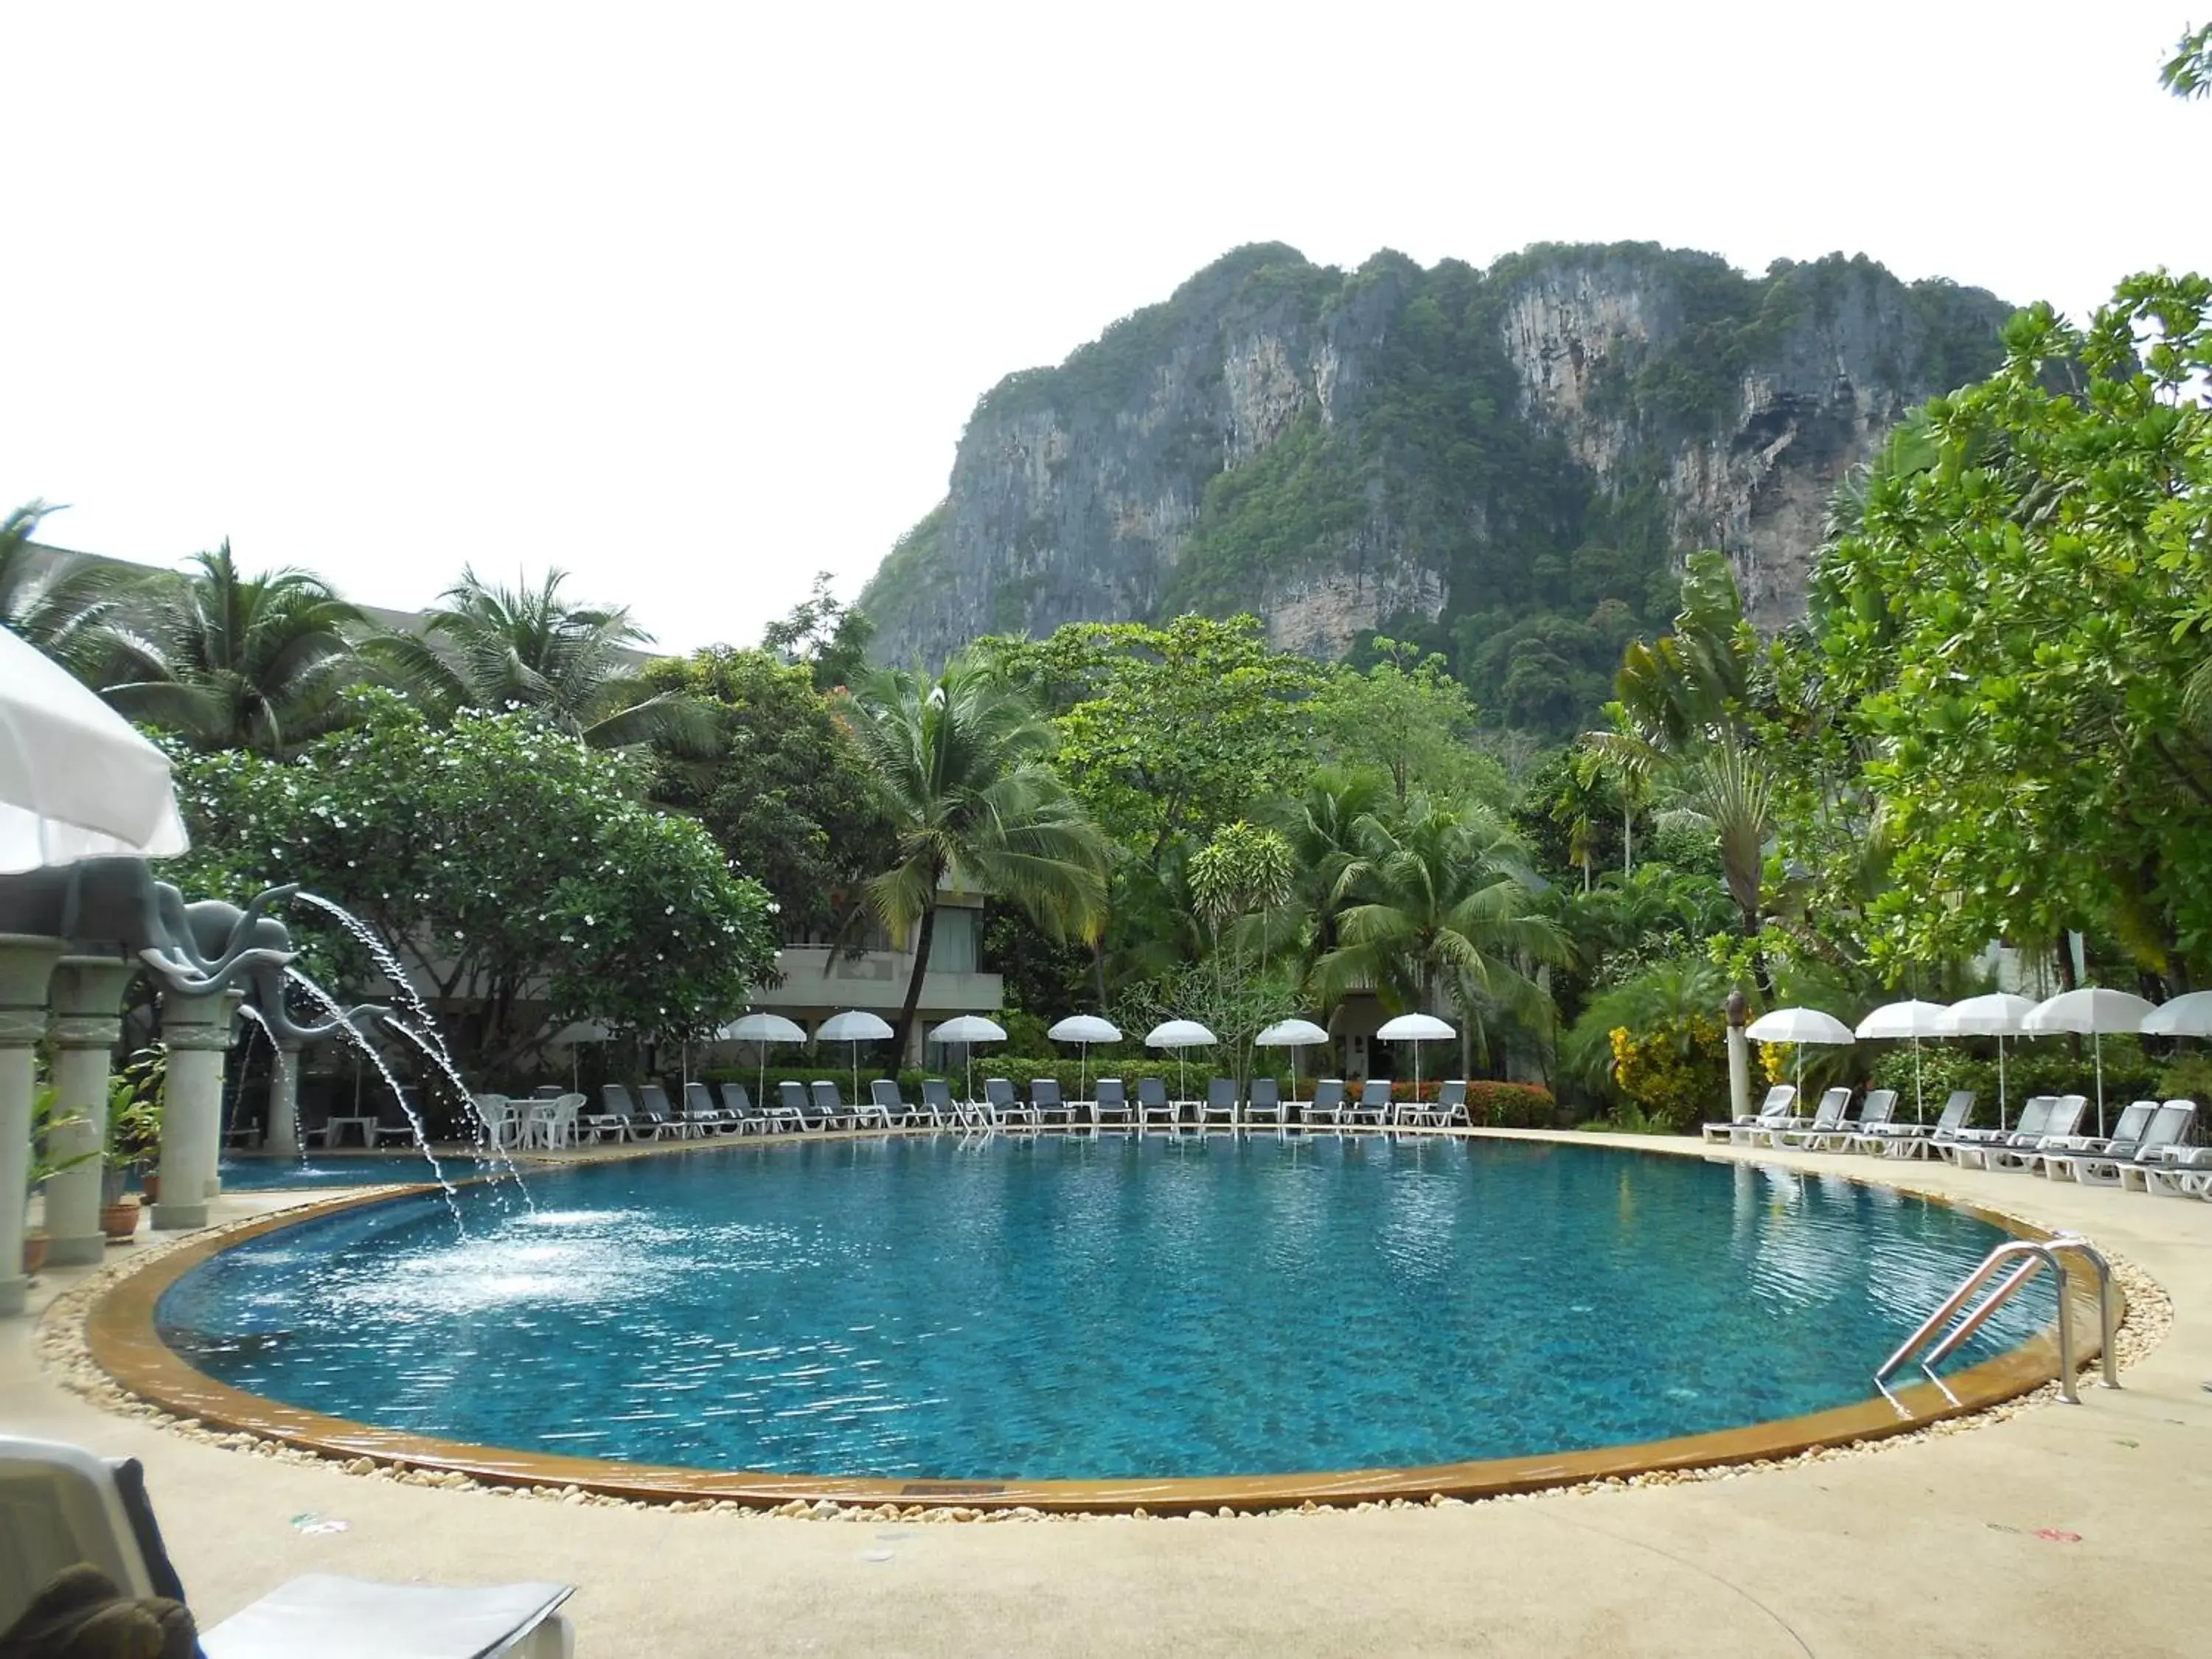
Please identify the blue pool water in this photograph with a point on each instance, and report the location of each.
(261, 1175)
(1051, 1306)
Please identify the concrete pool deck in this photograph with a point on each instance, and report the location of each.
(2059, 1529)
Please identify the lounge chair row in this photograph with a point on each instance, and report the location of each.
(2148, 1150)
(650, 1115)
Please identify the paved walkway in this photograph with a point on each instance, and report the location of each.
(2063, 1530)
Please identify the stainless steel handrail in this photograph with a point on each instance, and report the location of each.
(2030, 1256)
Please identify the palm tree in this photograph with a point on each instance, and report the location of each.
(1440, 906)
(60, 604)
(962, 764)
(228, 662)
(490, 647)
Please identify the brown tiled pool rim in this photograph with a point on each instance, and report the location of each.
(121, 1336)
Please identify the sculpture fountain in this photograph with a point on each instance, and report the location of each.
(72, 937)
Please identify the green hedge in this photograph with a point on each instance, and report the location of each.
(2039, 1065)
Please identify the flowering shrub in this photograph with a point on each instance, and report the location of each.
(517, 874)
(1676, 1073)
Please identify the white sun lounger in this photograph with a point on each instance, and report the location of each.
(60, 1505)
(1772, 1113)
(2056, 1156)
(1828, 1122)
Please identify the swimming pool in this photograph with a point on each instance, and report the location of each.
(1040, 1308)
(261, 1174)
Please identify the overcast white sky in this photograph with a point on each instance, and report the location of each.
(693, 300)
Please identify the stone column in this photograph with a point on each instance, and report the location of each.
(1739, 1053)
(88, 997)
(197, 1030)
(283, 1135)
(27, 962)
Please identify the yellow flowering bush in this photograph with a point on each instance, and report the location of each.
(1676, 1073)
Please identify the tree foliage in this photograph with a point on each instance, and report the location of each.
(491, 648)
(788, 795)
(516, 872)
(960, 767)
(2013, 626)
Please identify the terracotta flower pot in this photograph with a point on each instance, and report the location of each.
(152, 1185)
(120, 1221)
(34, 1253)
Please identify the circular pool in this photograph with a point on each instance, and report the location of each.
(1064, 1307)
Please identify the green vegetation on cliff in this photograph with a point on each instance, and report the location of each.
(1505, 467)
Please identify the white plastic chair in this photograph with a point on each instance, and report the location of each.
(60, 1505)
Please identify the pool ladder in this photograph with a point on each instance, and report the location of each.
(2027, 1257)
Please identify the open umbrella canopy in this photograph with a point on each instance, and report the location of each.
(761, 1028)
(2183, 1016)
(1291, 1034)
(76, 779)
(1084, 1028)
(584, 1030)
(1416, 1027)
(1798, 1025)
(1909, 1019)
(854, 1025)
(2093, 1010)
(968, 1028)
(1998, 1014)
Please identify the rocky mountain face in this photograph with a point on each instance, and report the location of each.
(1507, 464)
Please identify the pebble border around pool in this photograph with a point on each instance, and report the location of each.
(99, 1336)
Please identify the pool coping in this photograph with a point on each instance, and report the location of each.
(121, 1336)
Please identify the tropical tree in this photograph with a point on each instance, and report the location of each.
(491, 647)
(519, 875)
(1438, 907)
(61, 603)
(2011, 630)
(963, 766)
(787, 794)
(228, 661)
(1684, 721)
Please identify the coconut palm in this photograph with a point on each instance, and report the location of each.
(61, 603)
(1439, 905)
(227, 661)
(962, 764)
(492, 648)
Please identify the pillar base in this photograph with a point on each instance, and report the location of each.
(178, 1217)
(85, 1250)
(15, 1295)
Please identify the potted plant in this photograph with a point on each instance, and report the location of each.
(45, 1167)
(134, 1136)
(136, 1096)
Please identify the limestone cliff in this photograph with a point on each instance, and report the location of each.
(1508, 463)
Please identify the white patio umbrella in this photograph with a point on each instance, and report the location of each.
(1416, 1029)
(855, 1026)
(1799, 1026)
(764, 1028)
(76, 779)
(573, 1036)
(967, 1030)
(1909, 1019)
(1084, 1028)
(1179, 1035)
(1997, 1015)
(1294, 1035)
(2092, 1011)
(2182, 1016)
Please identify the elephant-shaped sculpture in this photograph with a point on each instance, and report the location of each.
(213, 931)
(103, 905)
(115, 905)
